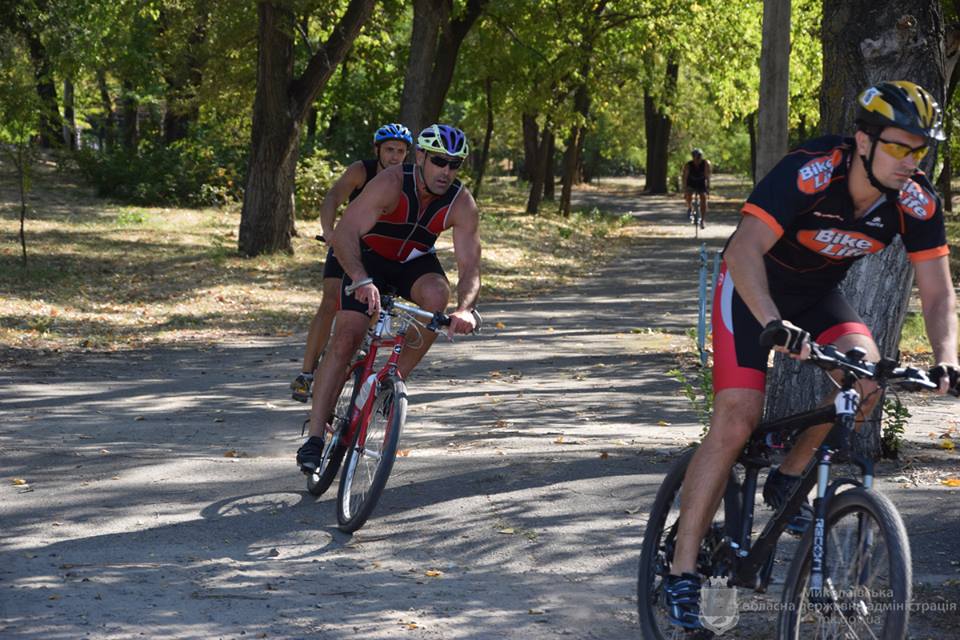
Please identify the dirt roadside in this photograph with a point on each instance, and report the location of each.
(532, 454)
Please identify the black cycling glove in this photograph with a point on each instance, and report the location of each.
(782, 333)
(938, 372)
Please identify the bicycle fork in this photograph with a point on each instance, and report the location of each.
(846, 403)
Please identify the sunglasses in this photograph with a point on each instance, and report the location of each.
(443, 162)
(899, 151)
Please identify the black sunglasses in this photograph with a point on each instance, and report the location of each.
(442, 162)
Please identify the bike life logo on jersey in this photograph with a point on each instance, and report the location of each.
(815, 175)
(838, 244)
(916, 202)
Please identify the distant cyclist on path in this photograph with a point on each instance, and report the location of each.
(827, 203)
(385, 239)
(391, 142)
(696, 180)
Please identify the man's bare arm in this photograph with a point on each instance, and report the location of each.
(744, 258)
(939, 304)
(378, 197)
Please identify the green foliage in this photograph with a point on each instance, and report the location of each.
(315, 175)
(195, 171)
(895, 418)
(698, 389)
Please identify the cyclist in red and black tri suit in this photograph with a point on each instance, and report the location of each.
(391, 142)
(826, 204)
(386, 239)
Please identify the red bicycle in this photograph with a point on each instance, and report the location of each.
(369, 414)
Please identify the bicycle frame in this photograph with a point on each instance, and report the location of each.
(373, 341)
(751, 562)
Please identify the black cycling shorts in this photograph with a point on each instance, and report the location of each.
(389, 276)
(697, 185)
(331, 266)
(739, 362)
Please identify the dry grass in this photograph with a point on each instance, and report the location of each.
(102, 276)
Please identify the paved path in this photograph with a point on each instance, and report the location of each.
(531, 456)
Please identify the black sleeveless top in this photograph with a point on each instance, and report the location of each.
(371, 168)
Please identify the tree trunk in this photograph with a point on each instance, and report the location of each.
(774, 85)
(864, 42)
(657, 124)
(428, 15)
(487, 136)
(280, 107)
(571, 158)
(531, 137)
(51, 124)
(183, 79)
(129, 117)
(451, 38)
(69, 115)
(550, 179)
(108, 136)
(752, 133)
(539, 173)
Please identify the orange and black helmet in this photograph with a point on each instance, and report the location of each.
(903, 105)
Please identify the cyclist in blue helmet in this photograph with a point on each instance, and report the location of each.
(391, 143)
(386, 239)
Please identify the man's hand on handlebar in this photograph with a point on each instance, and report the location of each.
(461, 322)
(786, 337)
(367, 293)
(948, 376)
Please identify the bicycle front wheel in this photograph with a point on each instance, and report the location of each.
(867, 577)
(371, 455)
(335, 446)
(659, 540)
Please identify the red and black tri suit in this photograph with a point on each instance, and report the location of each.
(806, 201)
(399, 249)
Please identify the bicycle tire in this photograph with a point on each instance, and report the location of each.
(367, 468)
(884, 608)
(657, 553)
(335, 447)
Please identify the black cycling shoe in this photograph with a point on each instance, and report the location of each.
(775, 492)
(310, 454)
(683, 600)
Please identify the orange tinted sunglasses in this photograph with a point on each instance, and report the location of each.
(900, 151)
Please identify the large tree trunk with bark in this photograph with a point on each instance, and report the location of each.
(657, 124)
(550, 179)
(571, 158)
(865, 42)
(774, 85)
(69, 115)
(280, 107)
(531, 138)
(434, 47)
(539, 172)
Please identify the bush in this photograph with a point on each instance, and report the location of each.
(192, 172)
(316, 173)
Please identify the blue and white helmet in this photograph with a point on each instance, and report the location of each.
(442, 138)
(393, 131)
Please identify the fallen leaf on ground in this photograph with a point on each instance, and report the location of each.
(604, 455)
(952, 482)
(500, 325)
(403, 453)
(508, 531)
(663, 423)
(433, 573)
(19, 481)
(233, 453)
(536, 612)
(948, 445)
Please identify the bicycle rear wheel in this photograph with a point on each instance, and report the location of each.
(334, 448)
(371, 455)
(867, 579)
(658, 543)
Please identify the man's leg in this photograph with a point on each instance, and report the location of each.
(796, 460)
(320, 326)
(736, 413)
(703, 208)
(317, 338)
(346, 338)
(688, 197)
(431, 291)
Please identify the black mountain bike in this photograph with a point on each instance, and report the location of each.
(851, 573)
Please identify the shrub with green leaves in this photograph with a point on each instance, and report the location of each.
(316, 173)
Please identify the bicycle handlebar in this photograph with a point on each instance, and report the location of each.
(435, 319)
(829, 358)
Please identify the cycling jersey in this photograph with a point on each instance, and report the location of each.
(412, 228)
(697, 176)
(370, 166)
(805, 200)
(331, 266)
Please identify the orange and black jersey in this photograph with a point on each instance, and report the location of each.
(411, 229)
(805, 199)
